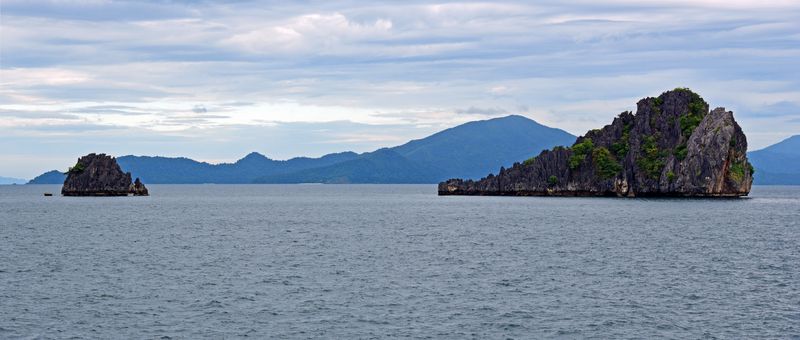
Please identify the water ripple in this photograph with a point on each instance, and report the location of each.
(298, 262)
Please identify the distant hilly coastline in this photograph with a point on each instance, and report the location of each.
(468, 150)
(50, 177)
(181, 170)
(163, 170)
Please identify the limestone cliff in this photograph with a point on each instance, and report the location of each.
(100, 175)
(672, 146)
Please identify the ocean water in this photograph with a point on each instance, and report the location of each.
(384, 261)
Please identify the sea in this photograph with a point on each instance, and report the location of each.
(395, 261)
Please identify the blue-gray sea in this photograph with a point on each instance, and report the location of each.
(396, 261)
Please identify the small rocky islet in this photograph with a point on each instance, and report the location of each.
(100, 175)
(673, 146)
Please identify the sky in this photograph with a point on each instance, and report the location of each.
(215, 80)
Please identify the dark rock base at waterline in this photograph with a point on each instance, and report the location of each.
(585, 194)
(99, 193)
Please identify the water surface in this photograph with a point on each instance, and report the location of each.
(385, 261)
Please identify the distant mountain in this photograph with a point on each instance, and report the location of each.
(50, 177)
(469, 150)
(474, 149)
(381, 166)
(778, 164)
(167, 170)
(161, 170)
(10, 180)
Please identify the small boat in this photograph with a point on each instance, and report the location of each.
(48, 194)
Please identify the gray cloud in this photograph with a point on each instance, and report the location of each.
(482, 111)
(28, 114)
(111, 109)
(780, 109)
(570, 64)
(94, 10)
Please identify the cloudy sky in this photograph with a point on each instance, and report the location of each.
(216, 80)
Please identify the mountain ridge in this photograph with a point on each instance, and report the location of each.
(468, 150)
(774, 164)
(492, 142)
(778, 164)
(163, 170)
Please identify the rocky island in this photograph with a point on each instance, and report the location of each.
(100, 175)
(673, 146)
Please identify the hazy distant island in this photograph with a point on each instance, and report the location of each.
(11, 180)
(672, 146)
(100, 175)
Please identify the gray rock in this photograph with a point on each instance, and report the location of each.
(672, 146)
(138, 189)
(100, 175)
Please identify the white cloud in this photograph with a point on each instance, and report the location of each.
(147, 68)
(500, 90)
(19, 77)
(311, 33)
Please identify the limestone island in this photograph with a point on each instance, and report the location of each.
(673, 146)
(100, 175)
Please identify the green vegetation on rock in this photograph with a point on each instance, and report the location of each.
(579, 152)
(655, 107)
(736, 171)
(553, 180)
(697, 110)
(529, 161)
(605, 165)
(670, 176)
(78, 168)
(621, 147)
(688, 123)
(681, 151)
(652, 162)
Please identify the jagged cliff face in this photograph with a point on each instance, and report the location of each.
(672, 146)
(100, 175)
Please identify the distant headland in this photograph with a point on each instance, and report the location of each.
(672, 146)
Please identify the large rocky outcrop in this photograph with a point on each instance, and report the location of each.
(672, 146)
(100, 175)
